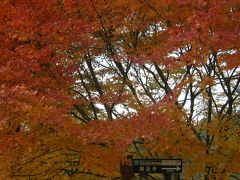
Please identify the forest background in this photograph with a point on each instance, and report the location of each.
(84, 84)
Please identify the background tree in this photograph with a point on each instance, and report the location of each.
(81, 78)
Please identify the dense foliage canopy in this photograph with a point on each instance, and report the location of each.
(85, 83)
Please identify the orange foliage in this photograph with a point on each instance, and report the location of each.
(36, 73)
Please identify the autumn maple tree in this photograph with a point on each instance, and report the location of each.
(86, 83)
